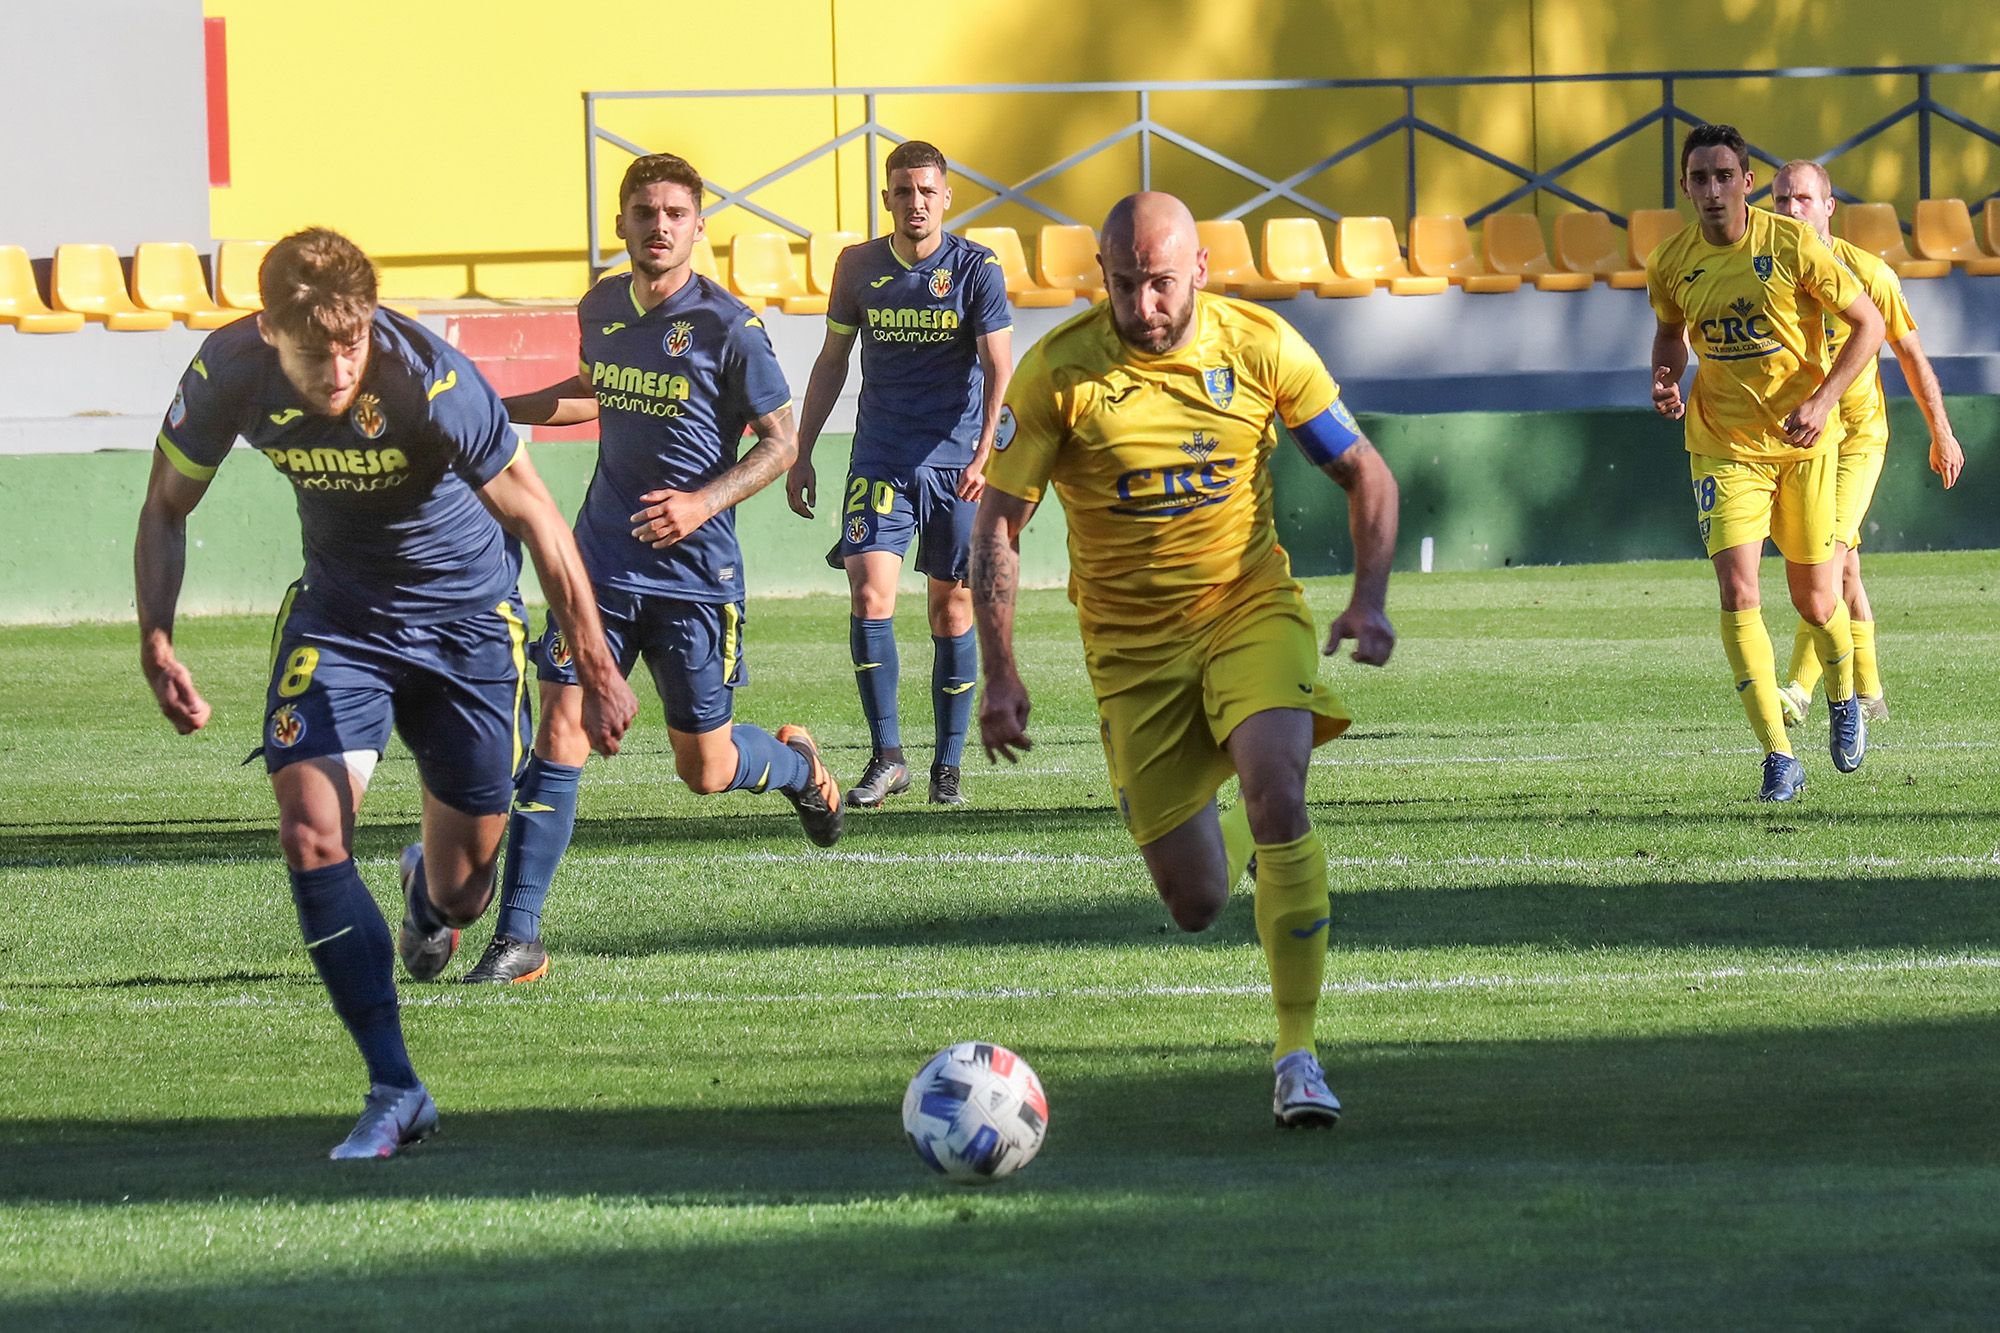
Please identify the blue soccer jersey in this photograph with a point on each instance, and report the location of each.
(676, 387)
(922, 393)
(391, 524)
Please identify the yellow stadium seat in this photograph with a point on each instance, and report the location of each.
(702, 261)
(1645, 228)
(1992, 216)
(1232, 268)
(1943, 230)
(1875, 229)
(1295, 251)
(761, 272)
(1022, 290)
(89, 280)
(1441, 247)
(237, 264)
(822, 250)
(1514, 245)
(1066, 256)
(1366, 248)
(166, 275)
(1588, 243)
(21, 301)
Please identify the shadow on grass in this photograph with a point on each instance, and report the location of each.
(1600, 1177)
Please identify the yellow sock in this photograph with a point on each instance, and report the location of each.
(1867, 671)
(1804, 670)
(1754, 666)
(1835, 641)
(1294, 920)
(1237, 844)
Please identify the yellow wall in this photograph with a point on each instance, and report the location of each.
(454, 129)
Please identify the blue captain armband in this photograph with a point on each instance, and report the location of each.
(1328, 435)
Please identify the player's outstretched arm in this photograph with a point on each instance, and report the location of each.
(669, 515)
(570, 403)
(1372, 509)
(1670, 363)
(1864, 342)
(823, 386)
(995, 576)
(996, 367)
(159, 563)
(1947, 458)
(523, 506)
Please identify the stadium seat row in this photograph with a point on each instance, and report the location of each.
(87, 282)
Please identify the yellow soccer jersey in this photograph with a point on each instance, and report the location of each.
(1160, 461)
(1863, 409)
(1756, 314)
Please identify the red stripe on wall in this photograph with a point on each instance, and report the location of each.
(215, 42)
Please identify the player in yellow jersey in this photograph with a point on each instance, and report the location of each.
(1802, 190)
(1154, 416)
(1756, 290)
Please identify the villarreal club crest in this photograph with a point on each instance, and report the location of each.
(940, 283)
(680, 337)
(366, 417)
(287, 727)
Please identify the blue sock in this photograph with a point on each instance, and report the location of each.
(954, 668)
(348, 942)
(873, 644)
(763, 763)
(538, 833)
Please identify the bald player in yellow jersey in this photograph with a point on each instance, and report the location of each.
(1756, 290)
(1803, 191)
(1154, 416)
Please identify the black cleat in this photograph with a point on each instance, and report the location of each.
(509, 961)
(882, 779)
(424, 953)
(818, 802)
(944, 785)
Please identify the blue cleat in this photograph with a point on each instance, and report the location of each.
(1848, 734)
(392, 1119)
(1301, 1099)
(1784, 777)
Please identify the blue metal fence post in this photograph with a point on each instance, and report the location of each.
(1923, 136)
(1668, 118)
(1409, 150)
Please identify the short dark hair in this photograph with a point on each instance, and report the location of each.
(317, 284)
(914, 155)
(655, 168)
(1716, 136)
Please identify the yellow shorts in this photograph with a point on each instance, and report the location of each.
(1853, 491)
(1791, 503)
(1165, 711)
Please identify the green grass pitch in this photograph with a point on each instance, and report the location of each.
(1619, 1045)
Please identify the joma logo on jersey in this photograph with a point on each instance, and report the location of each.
(680, 337)
(929, 317)
(1174, 490)
(940, 283)
(350, 462)
(631, 379)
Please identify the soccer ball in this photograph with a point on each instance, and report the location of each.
(975, 1112)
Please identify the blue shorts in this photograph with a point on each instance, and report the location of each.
(693, 649)
(456, 693)
(886, 507)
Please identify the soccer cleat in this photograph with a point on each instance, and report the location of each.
(1794, 702)
(879, 781)
(391, 1119)
(1874, 707)
(818, 803)
(509, 961)
(1848, 733)
(1784, 777)
(424, 954)
(944, 785)
(1301, 1099)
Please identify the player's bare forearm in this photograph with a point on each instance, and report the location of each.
(1670, 360)
(159, 564)
(996, 366)
(1373, 509)
(776, 448)
(823, 386)
(1947, 457)
(995, 575)
(569, 403)
(1864, 343)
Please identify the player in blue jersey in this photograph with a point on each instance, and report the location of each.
(673, 370)
(413, 496)
(930, 310)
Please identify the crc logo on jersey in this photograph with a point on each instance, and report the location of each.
(367, 417)
(680, 337)
(1201, 446)
(1003, 429)
(559, 654)
(1169, 492)
(287, 727)
(1745, 333)
(857, 530)
(178, 411)
(940, 283)
(1762, 266)
(1221, 385)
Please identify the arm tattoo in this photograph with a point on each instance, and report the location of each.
(1345, 467)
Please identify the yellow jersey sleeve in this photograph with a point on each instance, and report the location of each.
(1663, 271)
(1823, 277)
(1030, 431)
(1301, 386)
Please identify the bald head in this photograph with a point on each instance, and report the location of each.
(1803, 190)
(1153, 265)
